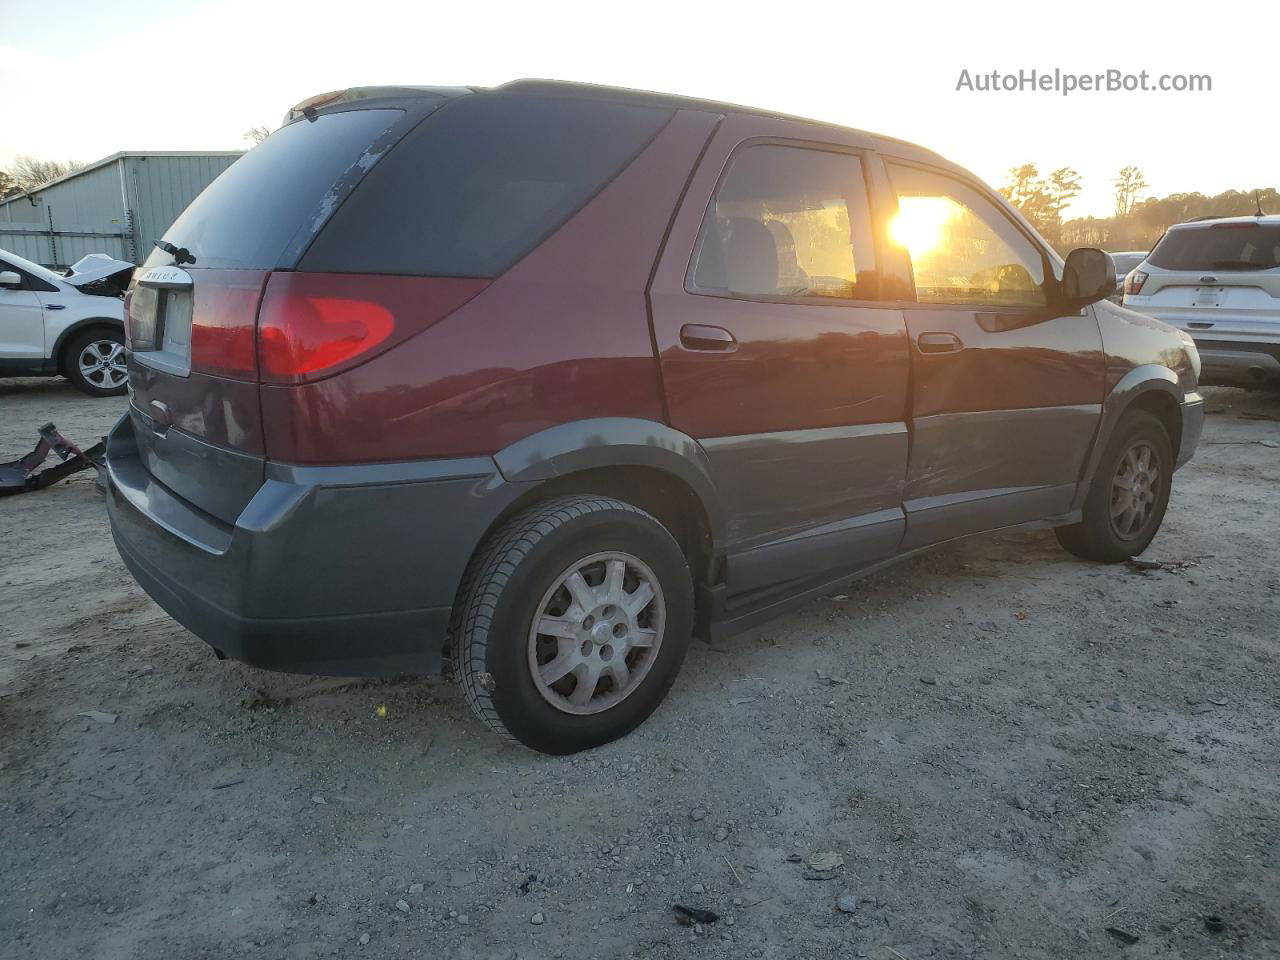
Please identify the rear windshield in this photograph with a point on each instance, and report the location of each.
(286, 185)
(1221, 246)
(481, 183)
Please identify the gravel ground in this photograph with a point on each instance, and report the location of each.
(993, 751)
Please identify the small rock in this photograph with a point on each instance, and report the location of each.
(461, 878)
(99, 716)
(463, 919)
(364, 940)
(794, 858)
(316, 798)
(538, 919)
(415, 888)
(697, 813)
(698, 888)
(847, 903)
(1021, 802)
(721, 833)
(930, 681)
(402, 906)
(826, 862)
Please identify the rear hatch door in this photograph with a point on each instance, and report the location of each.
(192, 310)
(1222, 277)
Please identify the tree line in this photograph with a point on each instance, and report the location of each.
(26, 173)
(1137, 221)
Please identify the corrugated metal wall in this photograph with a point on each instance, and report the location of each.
(36, 243)
(161, 187)
(122, 207)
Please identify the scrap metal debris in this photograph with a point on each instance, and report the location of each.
(22, 476)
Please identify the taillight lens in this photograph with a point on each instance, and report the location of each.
(128, 321)
(303, 336)
(1134, 281)
(223, 316)
(313, 325)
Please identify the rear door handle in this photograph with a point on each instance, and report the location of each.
(939, 343)
(55, 306)
(696, 336)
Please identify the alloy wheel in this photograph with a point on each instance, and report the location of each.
(102, 364)
(1135, 489)
(596, 633)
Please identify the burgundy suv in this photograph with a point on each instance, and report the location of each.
(540, 381)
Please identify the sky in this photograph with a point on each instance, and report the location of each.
(98, 77)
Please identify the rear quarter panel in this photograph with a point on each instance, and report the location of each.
(561, 336)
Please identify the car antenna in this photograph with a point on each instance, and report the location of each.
(1257, 202)
(180, 255)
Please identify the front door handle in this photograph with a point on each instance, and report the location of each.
(696, 336)
(939, 343)
(55, 306)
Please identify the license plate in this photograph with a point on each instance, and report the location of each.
(1208, 296)
(160, 319)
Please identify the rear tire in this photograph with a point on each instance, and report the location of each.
(1129, 494)
(572, 623)
(95, 362)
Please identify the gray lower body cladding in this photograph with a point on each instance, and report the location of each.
(333, 570)
(1239, 363)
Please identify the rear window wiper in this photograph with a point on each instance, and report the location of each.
(180, 255)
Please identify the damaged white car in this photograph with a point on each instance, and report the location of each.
(69, 325)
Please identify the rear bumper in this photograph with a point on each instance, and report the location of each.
(334, 570)
(1238, 363)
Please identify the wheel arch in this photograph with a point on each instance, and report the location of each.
(1152, 388)
(58, 353)
(643, 462)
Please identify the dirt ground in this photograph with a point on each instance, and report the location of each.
(1012, 753)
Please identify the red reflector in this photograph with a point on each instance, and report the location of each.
(313, 325)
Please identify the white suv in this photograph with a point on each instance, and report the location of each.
(71, 325)
(1219, 280)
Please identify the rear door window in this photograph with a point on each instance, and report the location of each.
(284, 187)
(788, 222)
(481, 183)
(964, 249)
(1220, 246)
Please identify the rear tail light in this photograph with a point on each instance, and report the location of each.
(128, 321)
(223, 315)
(304, 335)
(313, 325)
(1134, 281)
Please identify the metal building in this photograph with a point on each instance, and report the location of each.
(118, 206)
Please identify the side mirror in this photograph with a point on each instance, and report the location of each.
(10, 280)
(1089, 276)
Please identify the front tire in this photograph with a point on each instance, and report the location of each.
(572, 623)
(95, 363)
(1129, 494)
